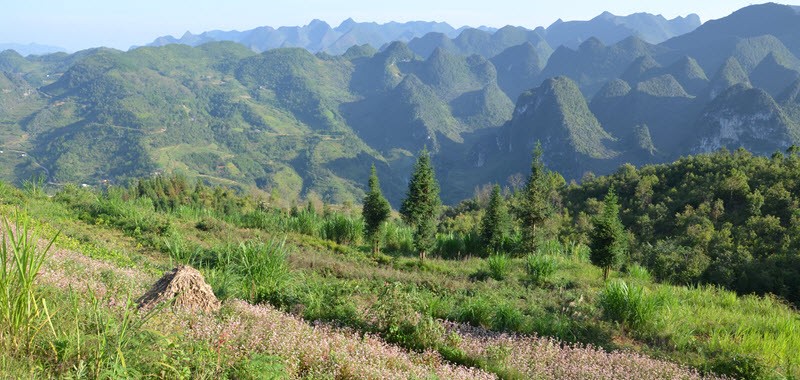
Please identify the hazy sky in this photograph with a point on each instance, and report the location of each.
(79, 24)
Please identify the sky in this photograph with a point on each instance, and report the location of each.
(81, 24)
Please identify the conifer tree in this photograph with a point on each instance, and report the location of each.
(535, 206)
(420, 209)
(375, 211)
(495, 222)
(607, 238)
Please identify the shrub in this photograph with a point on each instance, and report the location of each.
(629, 305)
(208, 224)
(306, 223)
(178, 250)
(399, 323)
(540, 267)
(549, 247)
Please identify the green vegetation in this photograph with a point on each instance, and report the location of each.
(495, 222)
(607, 237)
(421, 207)
(21, 308)
(376, 210)
(319, 267)
(266, 155)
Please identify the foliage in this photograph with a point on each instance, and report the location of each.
(22, 310)
(629, 304)
(540, 267)
(420, 209)
(495, 222)
(375, 211)
(499, 266)
(263, 268)
(535, 206)
(343, 229)
(607, 236)
(725, 218)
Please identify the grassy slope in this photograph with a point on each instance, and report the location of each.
(705, 327)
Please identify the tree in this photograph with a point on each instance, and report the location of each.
(375, 211)
(607, 238)
(494, 224)
(535, 206)
(420, 209)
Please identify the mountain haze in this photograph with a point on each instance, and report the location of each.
(301, 121)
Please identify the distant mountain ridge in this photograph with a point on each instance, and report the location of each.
(318, 36)
(31, 49)
(610, 29)
(293, 122)
(425, 36)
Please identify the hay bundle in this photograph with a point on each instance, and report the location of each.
(186, 286)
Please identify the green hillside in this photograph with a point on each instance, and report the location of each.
(304, 295)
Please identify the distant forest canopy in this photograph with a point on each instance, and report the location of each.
(297, 124)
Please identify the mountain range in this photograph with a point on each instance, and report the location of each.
(32, 48)
(294, 123)
(318, 36)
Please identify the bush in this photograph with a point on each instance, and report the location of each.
(208, 224)
(549, 247)
(629, 305)
(399, 323)
(449, 246)
(540, 267)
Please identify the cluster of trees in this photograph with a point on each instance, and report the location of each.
(532, 213)
(728, 218)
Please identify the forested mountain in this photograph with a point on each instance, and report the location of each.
(294, 123)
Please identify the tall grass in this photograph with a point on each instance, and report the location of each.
(540, 267)
(343, 229)
(21, 314)
(499, 266)
(629, 305)
(263, 268)
(398, 238)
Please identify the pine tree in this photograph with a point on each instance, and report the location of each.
(607, 238)
(375, 211)
(535, 206)
(494, 224)
(420, 209)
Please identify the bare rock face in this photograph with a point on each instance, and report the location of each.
(186, 286)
